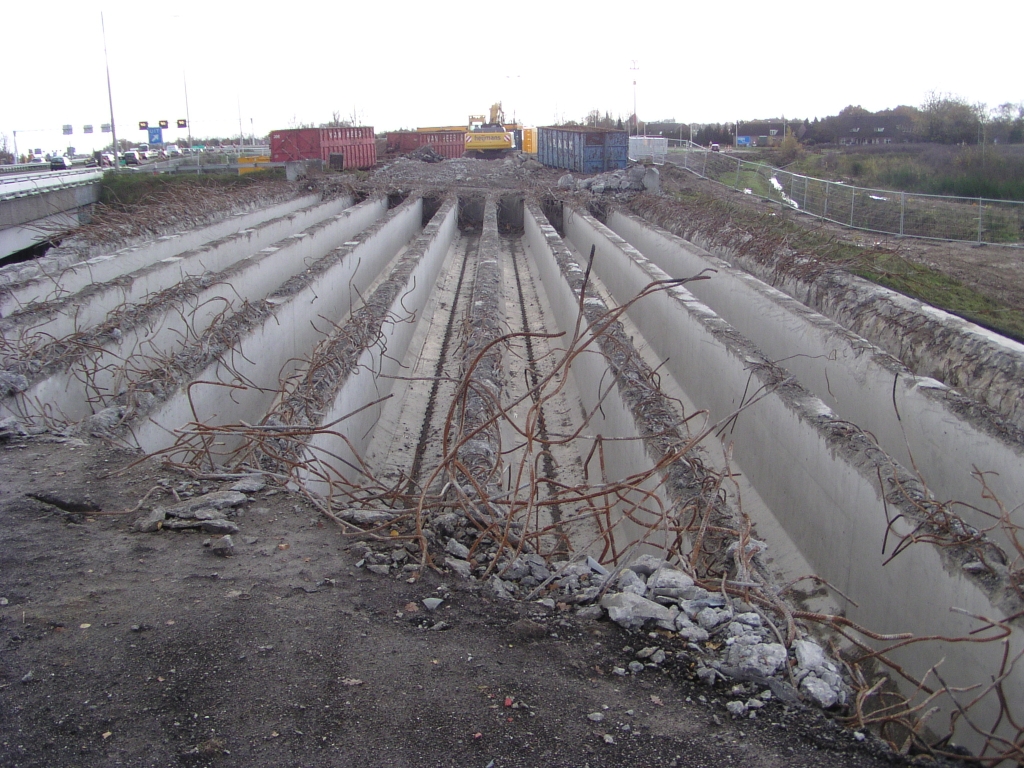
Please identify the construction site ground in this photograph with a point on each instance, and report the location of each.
(120, 648)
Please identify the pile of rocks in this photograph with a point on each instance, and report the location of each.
(208, 513)
(649, 591)
(635, 178)
(425, 154)
(728, 639)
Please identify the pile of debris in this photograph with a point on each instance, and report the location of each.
(426, 154)
(723, 638)
(635, 178)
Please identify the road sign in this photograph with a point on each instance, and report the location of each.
(86, 129)
(156, 135)
(183, 123)
(163, 123)
(105, 128)
(67, 130)
(143, 125)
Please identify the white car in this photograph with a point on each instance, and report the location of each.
(171, 150)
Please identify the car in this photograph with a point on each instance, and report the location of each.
(171, 150)
(715, 148)
(60, 163)
(107, 158)
(132, 157)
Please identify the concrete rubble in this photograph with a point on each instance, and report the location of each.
(635, 178)
(723, 638)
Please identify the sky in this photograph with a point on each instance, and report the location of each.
(257, 67)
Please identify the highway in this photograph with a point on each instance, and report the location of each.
(22, 185)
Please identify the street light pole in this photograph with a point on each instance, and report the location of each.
(110, 94)
(635, 67)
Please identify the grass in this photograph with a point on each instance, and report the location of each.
(881, 266)
(127, 189)
(993, 172)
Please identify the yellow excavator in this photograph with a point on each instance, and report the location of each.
(491, 138)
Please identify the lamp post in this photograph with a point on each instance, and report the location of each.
(635, 67)
(110, 94)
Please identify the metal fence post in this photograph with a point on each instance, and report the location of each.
(853, 199)
(979, 218)
(805, 191)
(824, 213)
(903, 210)
(704, 173)
(737, 173)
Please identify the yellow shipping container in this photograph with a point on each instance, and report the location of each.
(530, 141)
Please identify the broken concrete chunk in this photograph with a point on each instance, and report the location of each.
(218, 526)
(372, 517)
(151, 522)
(629, 581)
(646, 564)
(12, 383)
(709, 618)
(668, 581)
(456, 548)
(223, 546)
(809, 655)
(461, 567)
(819, 691)
(251, 484)
(652, 180)
(763, 658)
(204, 507)
(629, 610)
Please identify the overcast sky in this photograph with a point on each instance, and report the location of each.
(406, 64)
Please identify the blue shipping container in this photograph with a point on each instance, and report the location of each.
(584, 150)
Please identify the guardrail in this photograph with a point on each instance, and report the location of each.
(24, 168)
(905, 214)
(11, 188)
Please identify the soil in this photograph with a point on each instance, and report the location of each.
(120, 648)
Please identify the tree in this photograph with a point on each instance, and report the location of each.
(948, 119)
(6, 156)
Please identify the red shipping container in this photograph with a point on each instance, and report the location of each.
(356, 147)
(294, 144)
(448, 144)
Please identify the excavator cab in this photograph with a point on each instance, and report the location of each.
(487, 138)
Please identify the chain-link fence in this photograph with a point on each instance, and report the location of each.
(938, 217)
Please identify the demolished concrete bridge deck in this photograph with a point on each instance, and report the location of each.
(578, 390)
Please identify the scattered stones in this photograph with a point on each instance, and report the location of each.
(630, 610)
(380, 570)
(461, 567)
(432, 603)
(736, 708)
(763, 658)
(223, 546)
(12, 384)
(368, 517)
(426, 154)
(207, 506)
(10, 427)
(819, 691)
(251, 484)
(151, 522)
(457, 549)
(596, 717)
